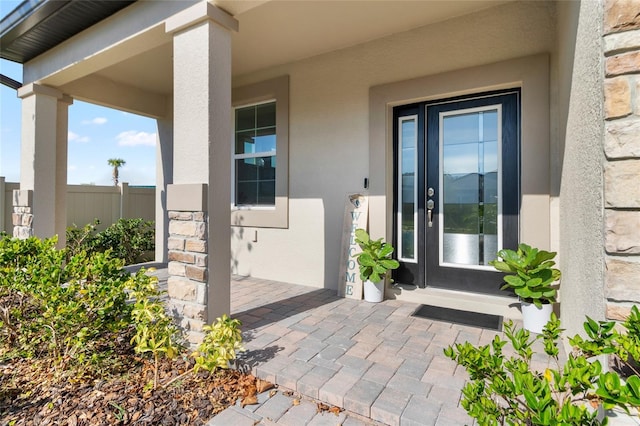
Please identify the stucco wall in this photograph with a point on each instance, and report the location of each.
(328, 152)
(581, 202)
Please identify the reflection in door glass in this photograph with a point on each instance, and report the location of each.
(407, 202)
(469, 184)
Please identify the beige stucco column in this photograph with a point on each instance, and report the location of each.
(198, 200)
(164, 177)
(40, 204)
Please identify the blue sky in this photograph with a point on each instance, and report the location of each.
(95, 135)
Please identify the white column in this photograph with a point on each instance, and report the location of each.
(44, 157)
(202, 145)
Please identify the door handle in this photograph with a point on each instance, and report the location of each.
(430, 205)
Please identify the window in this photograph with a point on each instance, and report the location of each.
(260, 155)
(255, 155)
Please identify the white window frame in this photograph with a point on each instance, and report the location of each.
(265, 216)
(250, 155)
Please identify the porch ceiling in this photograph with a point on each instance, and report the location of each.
(278, 32)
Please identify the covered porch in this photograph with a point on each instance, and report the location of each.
(336, 72)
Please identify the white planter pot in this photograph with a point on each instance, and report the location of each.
(533, 318)
(373, 292)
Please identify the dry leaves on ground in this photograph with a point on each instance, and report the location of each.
(322, 408)
(32, 395)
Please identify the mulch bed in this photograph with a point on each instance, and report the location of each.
(33, 394)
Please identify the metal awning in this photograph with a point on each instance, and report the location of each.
(36, 26)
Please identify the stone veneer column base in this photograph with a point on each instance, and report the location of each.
(187, 283)
(22, 217)
(622, 151)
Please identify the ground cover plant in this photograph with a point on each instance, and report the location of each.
(83, 341)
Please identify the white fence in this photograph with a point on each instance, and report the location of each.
(85, 203)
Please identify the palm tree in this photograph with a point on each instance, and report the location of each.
(116, 163)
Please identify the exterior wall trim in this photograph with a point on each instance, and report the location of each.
(278, 216)
(199, 13)
(187, 197)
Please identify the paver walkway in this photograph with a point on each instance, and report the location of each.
(376, 361)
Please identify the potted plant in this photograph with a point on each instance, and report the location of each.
(374, 262)
(531, 275)
(504, 388)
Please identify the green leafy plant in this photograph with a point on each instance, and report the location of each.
(621, 340)
(68, 310)
(505, 389)
(155, 332)
(128, 239)
(531, 274)
(375, 258)
(223, 339)
(81, 239)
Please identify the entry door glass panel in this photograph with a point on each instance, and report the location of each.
(470, 143)
(408, 188)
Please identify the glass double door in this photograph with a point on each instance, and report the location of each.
(457, 190)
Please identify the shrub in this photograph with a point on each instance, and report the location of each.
(71, 309)
(154, 331)
(128, 239)
(81, 239)
(506, 390)
(221, 341)
(622, 342)
(68, 310)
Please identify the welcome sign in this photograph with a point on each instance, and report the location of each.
(356, 212)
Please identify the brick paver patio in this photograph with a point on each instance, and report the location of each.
(374, 360)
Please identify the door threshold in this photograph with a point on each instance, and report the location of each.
(508, 307)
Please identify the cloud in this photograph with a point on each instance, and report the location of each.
(135, 138)
(97, 120)
(74, 137)
(72, 168)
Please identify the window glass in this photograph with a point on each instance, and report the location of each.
(266, 115)
(255, 155)
(245, 118)
(470, 170)
(408, 193)
(256, 181)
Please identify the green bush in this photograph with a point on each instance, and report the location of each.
(128, 239)
(75, 310)
(69, 311)
(505, 389)
(604, 338)
(221, 342)
(155, 332)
